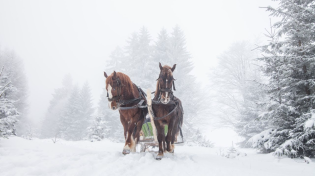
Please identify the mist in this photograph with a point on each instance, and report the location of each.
(74, 77)
(55, 38)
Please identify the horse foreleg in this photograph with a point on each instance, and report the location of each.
(125, 125)
(170, 147)
(130, 142)
(161, 140)
(174, 137)
(138, 129)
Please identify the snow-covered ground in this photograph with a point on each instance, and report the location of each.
(19, 156)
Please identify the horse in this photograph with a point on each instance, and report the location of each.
(130, 100)
(167, 110)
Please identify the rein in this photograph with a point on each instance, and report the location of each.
(159, 118)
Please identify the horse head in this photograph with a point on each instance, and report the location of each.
(165, 82)
(119, 87)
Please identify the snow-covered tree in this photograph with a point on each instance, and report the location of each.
(139, 56)
(77, 115)
(50, 125)
(239, 95)
(86, 105)
(14, 71)
(289, 63)
(98, 129)
(112, 124)
(8, 111)
(161, 48)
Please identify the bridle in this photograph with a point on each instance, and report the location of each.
(121, 102)
(169, 90)
(116, 98)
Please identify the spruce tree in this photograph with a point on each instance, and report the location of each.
(112, 124)
(86, 103)
(8, 111)
(78, 114)
(239, 95)
(148, 68)
(51, 124)
(161, 49)
(70, 118)
(14, 71)
(289, 63)
(98, 129)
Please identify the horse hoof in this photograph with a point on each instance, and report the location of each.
(159, 157)
(126, 151)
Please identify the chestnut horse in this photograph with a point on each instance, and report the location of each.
(167, 110)
(128, 99)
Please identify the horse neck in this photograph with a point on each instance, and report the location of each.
(127, 95)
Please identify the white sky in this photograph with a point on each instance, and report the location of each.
(59, 37)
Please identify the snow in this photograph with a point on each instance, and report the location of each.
(310, 123)
(43, 157)
(307, 160)
(260, 138)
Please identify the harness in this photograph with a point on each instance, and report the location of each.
(121, 102)
(141, 99)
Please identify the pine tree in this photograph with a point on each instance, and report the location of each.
(8, 111)
(239, 94)
(146, 72)
(51, 123)
(70, 118)
(77, 116)
(161, 49)
(86, 103)
(289, 63)
(139, 53)
(113, 126)
(98, 130)
(14, 71)
(117, 59)
(131, 59)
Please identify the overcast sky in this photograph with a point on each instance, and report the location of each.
(58, 37)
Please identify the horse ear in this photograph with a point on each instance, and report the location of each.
(173, 68)
(160, 66)
(105, 75)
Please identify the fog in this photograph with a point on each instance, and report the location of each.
(55, 38)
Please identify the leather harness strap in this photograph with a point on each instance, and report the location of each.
(126, 102)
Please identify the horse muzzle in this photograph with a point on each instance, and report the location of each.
(165, 100)
(112, 105)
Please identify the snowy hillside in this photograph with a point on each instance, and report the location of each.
(19, 156)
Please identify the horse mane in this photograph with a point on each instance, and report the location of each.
(126, 82)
